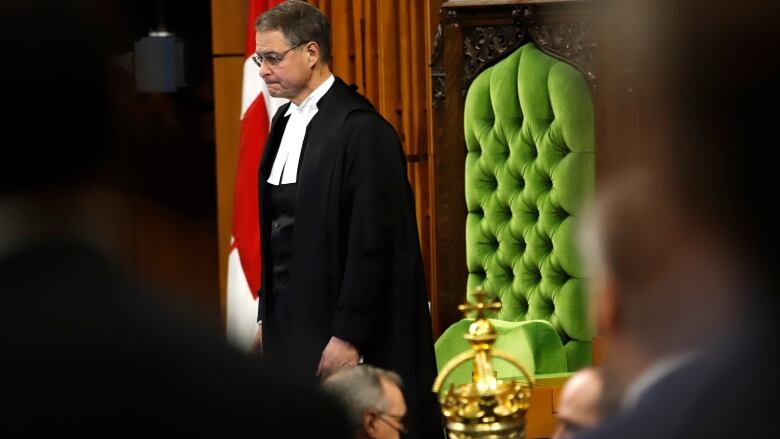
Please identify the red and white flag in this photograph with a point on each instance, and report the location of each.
(257, 108)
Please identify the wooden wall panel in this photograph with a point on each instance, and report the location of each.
(357, 47)
(388, 61)
(448, 182)
(228, 128)
(341, 12)
(228, 20)
(431, 21)
(370, 53)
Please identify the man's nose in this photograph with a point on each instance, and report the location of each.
(264, 70)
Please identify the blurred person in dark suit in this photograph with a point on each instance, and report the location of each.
(685, 282)
(83, 347)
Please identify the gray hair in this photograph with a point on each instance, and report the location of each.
(300, 22)
(360, 389)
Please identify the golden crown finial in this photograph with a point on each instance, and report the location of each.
(486, 407)
(480, 305)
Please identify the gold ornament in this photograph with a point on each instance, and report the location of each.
(486, 408)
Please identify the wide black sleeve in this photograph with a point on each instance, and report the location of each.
(372, 188)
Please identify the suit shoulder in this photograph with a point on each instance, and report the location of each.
(368, 122)
(360, 118)
(348, 98)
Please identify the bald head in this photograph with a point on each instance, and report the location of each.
(578, 409)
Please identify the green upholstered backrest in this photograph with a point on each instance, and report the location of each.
(530, 167)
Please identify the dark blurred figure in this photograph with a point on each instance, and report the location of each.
(579, 407)
(84, 349)
(686, 287)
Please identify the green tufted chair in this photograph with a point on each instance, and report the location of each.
(529, 169)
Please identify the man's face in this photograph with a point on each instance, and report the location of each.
(389, 424)
(292, 70)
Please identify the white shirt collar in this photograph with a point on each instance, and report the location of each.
(314, 97)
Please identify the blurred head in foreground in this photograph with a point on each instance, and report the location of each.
(680, 243)
(579, 406)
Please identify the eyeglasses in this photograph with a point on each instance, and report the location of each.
(273, 59)
(397, 426)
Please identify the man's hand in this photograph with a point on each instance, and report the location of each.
(257, 343)
(337, 354)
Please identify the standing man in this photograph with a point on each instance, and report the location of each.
(342, 276)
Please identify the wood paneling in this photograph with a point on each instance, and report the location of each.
(448, 183)
(541, 417)
(227, 91)
(342, 31)
(370, 54)
(228, 21)
(431, 20)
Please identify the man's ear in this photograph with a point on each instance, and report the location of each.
(369, 424)
(313, 52)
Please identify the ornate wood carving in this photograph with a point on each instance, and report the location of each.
(437, 71)
(482, 45)
(523, 14)
(571, 41)
(437, 45)
(450, 17)
(437, 80)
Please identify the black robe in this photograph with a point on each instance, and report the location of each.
(356, 267)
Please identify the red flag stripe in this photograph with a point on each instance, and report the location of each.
(254, 131)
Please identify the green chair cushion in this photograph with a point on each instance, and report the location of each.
(534, 343)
